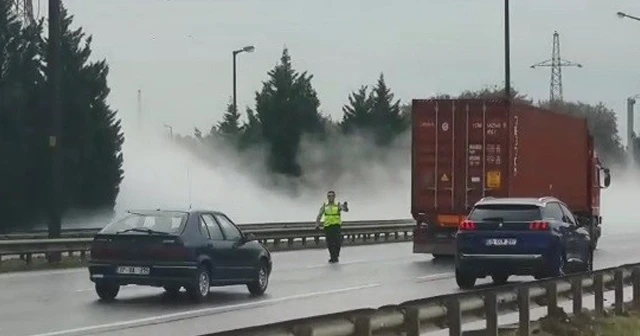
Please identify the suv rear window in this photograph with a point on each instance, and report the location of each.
(505, 212)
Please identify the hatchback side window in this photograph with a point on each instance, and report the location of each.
(202, 227)
(214, 229)
(231, 232)
(553, 210)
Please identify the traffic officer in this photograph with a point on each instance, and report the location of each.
(332, 224)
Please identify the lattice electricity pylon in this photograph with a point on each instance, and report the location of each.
(556, 63)
(24, 9)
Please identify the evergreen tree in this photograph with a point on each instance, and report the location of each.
(357, 114)
(287, 107)
(20, 86)
(386, 115)
(250, 131)
(92, 137)
(229, 128)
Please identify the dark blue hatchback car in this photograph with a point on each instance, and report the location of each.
(520, 236)
(193, 249)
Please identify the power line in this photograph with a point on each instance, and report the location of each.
(556, 63)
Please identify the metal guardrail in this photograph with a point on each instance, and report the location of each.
(450, 311)
(90, 232)
(285, 236)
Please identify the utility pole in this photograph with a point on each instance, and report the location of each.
(235, 53)
(631, 101)
(507, 52)
(55, 145)
(170, 131)
(139, 110)
(556, 63)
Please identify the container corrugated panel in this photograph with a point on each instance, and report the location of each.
(550, 156)
(460, 154)
(464, 150)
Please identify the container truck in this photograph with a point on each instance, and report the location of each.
(467, 149)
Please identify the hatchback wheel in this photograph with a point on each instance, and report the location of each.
(465, 280)
(107, 291)
(261, 282)
(199, 289)
(500, 279)
(172, 289)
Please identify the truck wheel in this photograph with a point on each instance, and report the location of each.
(589, 264)
(464, 280)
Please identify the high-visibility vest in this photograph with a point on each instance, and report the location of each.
(332, 215)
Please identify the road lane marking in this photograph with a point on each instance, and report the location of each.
(198, 312)
(437, 276)
(340, 263)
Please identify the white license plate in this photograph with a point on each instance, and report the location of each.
(501, 242)
(133, 270)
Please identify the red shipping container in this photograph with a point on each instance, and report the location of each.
(464, 150)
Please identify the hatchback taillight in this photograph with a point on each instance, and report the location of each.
(467, 225)
(539, 226)
(102, 252)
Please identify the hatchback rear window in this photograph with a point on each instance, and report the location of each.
(166, 222)
(505, 213)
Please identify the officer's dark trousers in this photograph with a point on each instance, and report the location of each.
(333, 237)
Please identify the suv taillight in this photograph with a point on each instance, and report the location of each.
(467, 225)
(539, 226)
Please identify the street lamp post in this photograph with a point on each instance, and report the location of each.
(630, 125)
(507, 52)
(624, 15)
(55, 76)
(236, 52)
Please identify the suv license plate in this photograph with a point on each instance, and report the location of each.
(133, 270)
(501, 242)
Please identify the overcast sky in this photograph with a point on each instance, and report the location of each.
(178, 52)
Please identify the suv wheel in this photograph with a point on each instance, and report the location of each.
(107, 291)
(464, 280)
(199, 289)
(259, 285)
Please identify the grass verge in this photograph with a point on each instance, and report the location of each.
(586, 324)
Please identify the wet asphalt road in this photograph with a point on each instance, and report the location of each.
(302, 284)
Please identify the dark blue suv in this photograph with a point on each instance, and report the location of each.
(520, 236)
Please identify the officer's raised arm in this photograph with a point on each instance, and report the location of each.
(344, 207)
